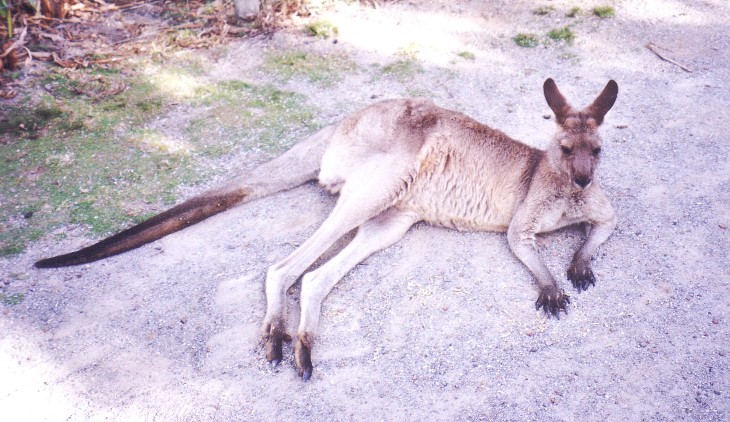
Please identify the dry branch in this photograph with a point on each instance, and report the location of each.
(655, 49)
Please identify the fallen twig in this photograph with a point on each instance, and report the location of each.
(654, 49)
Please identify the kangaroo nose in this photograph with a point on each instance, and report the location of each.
(582, 181)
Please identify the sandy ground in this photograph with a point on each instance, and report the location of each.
(442, 325)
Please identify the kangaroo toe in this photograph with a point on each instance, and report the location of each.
(552, 300)
(273, 344)
(581, 276)
(303, 357)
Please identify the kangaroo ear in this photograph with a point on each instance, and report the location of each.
(603, 102)
(556, 101)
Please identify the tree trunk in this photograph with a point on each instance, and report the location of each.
(247, 9)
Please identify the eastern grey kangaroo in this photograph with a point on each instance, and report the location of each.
(398, 162)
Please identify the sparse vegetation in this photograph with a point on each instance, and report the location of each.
(87, 151)
(604, 11)
(467, 55)
(241, 114)
(562, 34)
(543, 10)
(322, 29)
(574, 11)
(325, 70)
(526, 40)
(12, 299)
(405, 67)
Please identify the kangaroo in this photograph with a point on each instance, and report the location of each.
(398, 162)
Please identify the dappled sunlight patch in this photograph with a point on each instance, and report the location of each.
(153, 140)
(434, 35)
(672, 10)
(175, 84)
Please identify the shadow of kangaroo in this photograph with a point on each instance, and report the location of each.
(398, 162)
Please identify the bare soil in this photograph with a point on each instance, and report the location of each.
(442, 325)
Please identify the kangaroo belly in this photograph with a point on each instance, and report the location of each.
(461, 193)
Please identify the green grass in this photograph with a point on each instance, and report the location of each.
(324, 70)
(466, 55)
(90, 153)
(526, 40)
(11, 300)
(604, 12)
(322, 29)
(238, 110)
(404, 67)
(562, 34)
(543, 10)
(77, 164)
(574, 11)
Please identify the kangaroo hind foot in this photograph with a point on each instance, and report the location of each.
(375, 234)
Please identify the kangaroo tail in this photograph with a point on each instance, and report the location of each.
(293, 168)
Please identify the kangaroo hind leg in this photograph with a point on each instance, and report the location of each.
(377, 233)
(368, 190)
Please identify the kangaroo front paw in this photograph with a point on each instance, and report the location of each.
(303, 357)
(552, 300)
(581, 275)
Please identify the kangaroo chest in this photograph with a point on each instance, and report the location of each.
(462, 193)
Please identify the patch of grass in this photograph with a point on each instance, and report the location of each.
(466, 55)
(237, 110)
(322, 29)
(402, 69)
(562, 34)
(13, 299)
(405, 67)
(319, 69)
(604, 12)
(526, 40)
(543, 10)
(574, 11)
(100, 156)
(79, 164)
(27, 121)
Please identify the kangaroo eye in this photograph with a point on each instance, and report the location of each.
(566, 150)
(596, 150)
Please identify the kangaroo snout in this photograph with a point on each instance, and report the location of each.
(582, 181)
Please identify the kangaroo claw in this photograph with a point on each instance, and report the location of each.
(552, 300)
(581, 276)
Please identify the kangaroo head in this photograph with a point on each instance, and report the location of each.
(575, 149)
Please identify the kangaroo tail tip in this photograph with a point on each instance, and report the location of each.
(59, 261)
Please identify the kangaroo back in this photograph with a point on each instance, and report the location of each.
(293, 168)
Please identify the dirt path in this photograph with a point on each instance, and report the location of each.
(442, 325)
